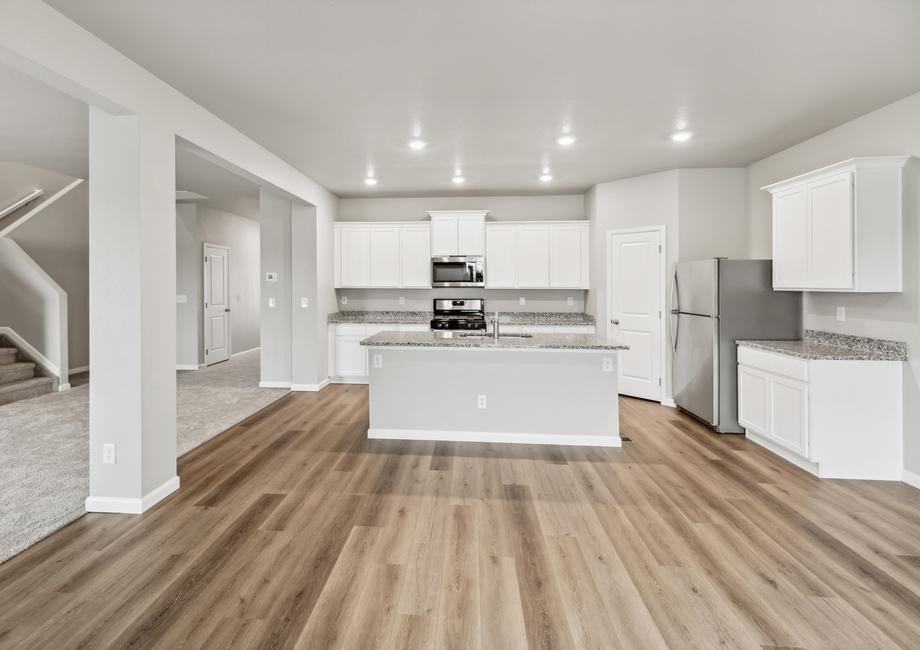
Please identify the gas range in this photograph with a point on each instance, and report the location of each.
(459, 314)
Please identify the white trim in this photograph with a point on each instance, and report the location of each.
(486, 436)
(63, 387)
(38, 208)
(911, 479)
(670, 403)
(274, 384)
(782, 452)
(133, 506)
(35, 355)
(358, 380)
(189, 366)
(236, 354)
(77, 371)
(662, 231)
(310, 388)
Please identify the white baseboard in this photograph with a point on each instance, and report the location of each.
(236, 354)
(133, 506)
(669, 403)
(63, 388)
(348, 380)
(77, 371)
(782, 452)
(911, 479)
(485, 436)
(274, 384)
(310, 388)
(189, 366)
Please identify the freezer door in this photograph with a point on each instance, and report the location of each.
(696, 288)
(696, 358)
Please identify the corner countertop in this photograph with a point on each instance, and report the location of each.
(504, 318)
(829, 346)
(455, 340)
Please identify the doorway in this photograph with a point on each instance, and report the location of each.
(216, 304)
(635, 307)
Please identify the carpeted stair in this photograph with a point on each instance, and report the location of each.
(18, 378)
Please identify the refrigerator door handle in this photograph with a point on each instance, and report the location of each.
(675, 311)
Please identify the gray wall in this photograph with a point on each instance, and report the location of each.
(275, 247)
(57, 238)
(501, 208)
(894, 129)
(195, 225)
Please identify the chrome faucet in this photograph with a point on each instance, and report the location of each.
(495, 327)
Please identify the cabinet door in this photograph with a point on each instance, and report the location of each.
(384, 259)
(355, 257)
(350, 357)
(830, 239)
(443, 235)
(565, 248)
(501, 256)
(789, 414)
(470, 235)
(415, 257)
(533, 256)
(753, 396)
(790, 240)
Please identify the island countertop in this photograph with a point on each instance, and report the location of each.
(486, 342)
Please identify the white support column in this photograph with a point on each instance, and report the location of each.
(132, 273)
(275, 248)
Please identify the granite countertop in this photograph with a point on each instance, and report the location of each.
(829, 346)
(533, 342)
(504, 318)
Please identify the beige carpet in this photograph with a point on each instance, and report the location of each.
(44, 444)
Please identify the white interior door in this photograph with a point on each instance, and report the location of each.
(216, 304)
(634, 310)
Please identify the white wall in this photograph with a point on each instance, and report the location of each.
(894, 129)
(189, 350)
(712, 208)
(501, 208)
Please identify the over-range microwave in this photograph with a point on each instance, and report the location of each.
(458, 271)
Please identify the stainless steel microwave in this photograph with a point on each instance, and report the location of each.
(458, 271)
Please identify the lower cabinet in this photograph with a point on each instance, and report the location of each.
(836, 419)
(348, 360)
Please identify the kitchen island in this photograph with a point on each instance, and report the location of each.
(538, 389)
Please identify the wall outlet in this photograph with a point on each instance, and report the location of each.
(271, 303)
(402, 300)
(608, 364)
(271, 277)
(522, 300)
(378, 361)
(841, 314)
(481, 401)
(570, 301)
(108, 453)
(304, 302)
(344, 300)
(181, 298)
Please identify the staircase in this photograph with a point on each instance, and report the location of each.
(18, 379)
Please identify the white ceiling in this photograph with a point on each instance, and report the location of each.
(225, 190)
(335, 86)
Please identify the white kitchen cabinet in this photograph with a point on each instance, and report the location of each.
(836, 419)
(415, 257)
(537, 255)
(839, 228)
(457, 232)
(348, 363)
(501, 256)
(533, 256)
(382, 255)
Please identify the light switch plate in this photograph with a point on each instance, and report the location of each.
(271, 303)
(108, 453)
(841, 314)
(271, 277)
(522, 300)
(481, 401)
(304, 302)
(181, 298)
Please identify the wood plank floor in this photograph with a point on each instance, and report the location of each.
(293, 530)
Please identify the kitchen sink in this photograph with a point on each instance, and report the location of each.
(466, 335)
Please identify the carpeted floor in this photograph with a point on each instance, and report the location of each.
(44, 444)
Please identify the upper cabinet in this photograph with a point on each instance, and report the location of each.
(382, 255)
(457, 232)
(537, 255)
(839, 228)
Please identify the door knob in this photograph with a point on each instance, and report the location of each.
(227, 310)
(615, 321)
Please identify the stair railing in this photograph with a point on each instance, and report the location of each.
(26, 200)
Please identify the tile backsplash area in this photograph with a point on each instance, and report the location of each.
(496, 299)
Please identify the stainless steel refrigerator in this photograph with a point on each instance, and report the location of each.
(714, 303)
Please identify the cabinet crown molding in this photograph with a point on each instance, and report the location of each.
(863, 162)
(454, 213)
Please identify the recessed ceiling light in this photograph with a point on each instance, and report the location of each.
(458, 180)
(681, 136)
(546, 177)
(370, 180)
(417, 144)
(566, 140)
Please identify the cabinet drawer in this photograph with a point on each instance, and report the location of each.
(778, 364)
